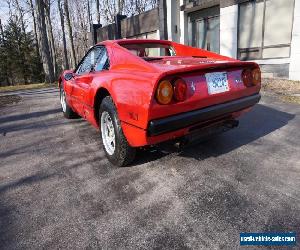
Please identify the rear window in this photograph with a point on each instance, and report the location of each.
(150, 49)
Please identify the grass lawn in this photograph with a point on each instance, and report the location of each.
(27, 86)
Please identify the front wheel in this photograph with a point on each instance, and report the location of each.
(66, 109)
(115, 145)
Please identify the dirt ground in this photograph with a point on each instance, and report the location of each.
(281, 85)
(9, 100)
(287, 91)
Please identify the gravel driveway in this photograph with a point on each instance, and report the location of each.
(57, 189)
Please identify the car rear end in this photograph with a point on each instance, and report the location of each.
(201, 99)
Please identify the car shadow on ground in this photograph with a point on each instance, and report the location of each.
(259, 122)
(12, 118)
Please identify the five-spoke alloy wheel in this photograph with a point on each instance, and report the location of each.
(63, 100)
(108, 133)
(115, 145)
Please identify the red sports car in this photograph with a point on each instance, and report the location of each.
(143, 92)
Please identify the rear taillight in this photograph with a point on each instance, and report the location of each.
(180, 89)
(171, 90)
(247, 77)
(251, 77)
(164, 93)
(256, 75)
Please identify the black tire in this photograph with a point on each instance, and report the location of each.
(123, 153)
(68, 112)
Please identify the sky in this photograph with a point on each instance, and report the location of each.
(3, 11)
(4, 14)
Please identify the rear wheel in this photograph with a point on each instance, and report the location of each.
(66, 109)
(115, 145)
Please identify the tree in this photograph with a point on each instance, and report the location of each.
(21, 14)
(1, 31)
(3, 59)
(16, 45)
(29, 2)
(98, 11)
(56, 46)
(120, 6)
(50, 36)
(44, 44)
(127, 7)
(66, 7)
(89, 13)
(62, 23)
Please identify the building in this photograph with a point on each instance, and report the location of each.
(264, 31)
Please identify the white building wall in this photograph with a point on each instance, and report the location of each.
(295, 45)
(229, 31)
(229, 34)
(173, 20)
(183, 24)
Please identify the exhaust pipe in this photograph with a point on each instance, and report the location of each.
(231, 124)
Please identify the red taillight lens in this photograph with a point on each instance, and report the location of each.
(180, 89)
(251, 77)
(256, 75)
(247, 77)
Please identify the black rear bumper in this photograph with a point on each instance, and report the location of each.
(175, 122)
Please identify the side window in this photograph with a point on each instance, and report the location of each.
(89, 61)
(102, 62)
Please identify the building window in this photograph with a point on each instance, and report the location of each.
(265, 29)
(204, 29)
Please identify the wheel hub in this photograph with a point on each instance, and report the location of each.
(108, 133)
(63, 100)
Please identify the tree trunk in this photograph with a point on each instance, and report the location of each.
(34, 27)
(66, 6)
(21, 15)
(120, 6)
(50, 37)
(20, 19)
(62, 22)
(89, 14)
(44, 45)
(1, 31)
(98, 11)
(5, 73)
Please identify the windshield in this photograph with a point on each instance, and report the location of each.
(150, 49)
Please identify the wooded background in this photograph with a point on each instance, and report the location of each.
(40, 38)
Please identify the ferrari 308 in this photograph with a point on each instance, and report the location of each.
(144, 92)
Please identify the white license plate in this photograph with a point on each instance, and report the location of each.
(217, 82)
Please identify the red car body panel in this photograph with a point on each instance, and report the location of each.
(131, 81)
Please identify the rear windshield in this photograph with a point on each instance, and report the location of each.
(149, 49)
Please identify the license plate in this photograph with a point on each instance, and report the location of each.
(217, 82)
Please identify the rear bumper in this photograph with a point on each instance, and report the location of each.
(176, 122)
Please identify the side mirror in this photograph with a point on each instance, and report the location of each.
(68, 76)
